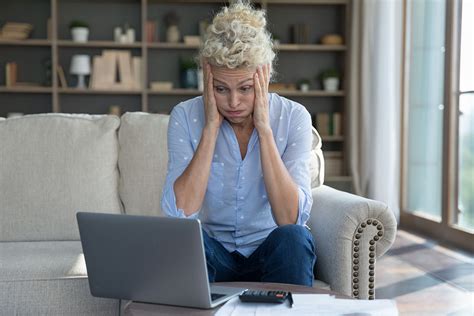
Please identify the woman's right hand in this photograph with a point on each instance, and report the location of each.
(213, 117)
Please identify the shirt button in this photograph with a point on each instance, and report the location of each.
(241, 197)
(241, 217)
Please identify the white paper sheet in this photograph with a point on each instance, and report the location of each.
(311, 304)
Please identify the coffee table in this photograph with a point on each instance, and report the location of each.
(143, 309)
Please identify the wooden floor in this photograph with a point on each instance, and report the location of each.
(425, 278)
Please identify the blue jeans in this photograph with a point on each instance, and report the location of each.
(286, 256)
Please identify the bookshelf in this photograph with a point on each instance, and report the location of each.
(161, 59)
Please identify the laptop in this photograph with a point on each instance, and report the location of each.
(148, 259)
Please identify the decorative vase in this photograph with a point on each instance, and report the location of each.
(80, 34)
(189, 78)
(172, 34)
(331, 84)
(200, 78)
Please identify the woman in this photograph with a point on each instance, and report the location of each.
(239, 159)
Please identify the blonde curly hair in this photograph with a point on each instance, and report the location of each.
(238, 38)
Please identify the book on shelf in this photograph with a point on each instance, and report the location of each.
(137, 67)
(328, 124)
(125, 70)
(106, 77)
(300, 33)
(333, 163)
(151, 28)
(17, 31)
(61, 77)
(192, 39)
(113, 65)
(11, 74)
(161, 86)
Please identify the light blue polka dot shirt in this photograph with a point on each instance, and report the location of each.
(236, 210)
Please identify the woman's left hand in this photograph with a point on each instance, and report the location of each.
(261, 113)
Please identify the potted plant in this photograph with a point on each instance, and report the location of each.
(303, 84)
(276, 39)
(330, 79)
(188, 73)
(172, 30)
(79, 31)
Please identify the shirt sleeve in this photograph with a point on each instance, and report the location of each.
(180, 153)
(296, 158)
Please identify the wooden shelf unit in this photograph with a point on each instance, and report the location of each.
(160, 59)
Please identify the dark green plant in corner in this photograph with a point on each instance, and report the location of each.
(78, 23)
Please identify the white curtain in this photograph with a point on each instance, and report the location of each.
(375, 99)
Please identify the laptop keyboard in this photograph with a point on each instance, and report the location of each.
(215, 296)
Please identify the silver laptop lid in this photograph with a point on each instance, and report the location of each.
(142, 258)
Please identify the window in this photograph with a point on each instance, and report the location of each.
(438, 141)
(466, 120)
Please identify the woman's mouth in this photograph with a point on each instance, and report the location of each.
(234, 113)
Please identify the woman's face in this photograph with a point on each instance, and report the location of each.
(234, 93)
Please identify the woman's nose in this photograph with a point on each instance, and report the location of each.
(233, 100)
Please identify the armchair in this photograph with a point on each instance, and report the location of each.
(350, 233)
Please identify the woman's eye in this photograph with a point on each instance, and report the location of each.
(220, 89)
(246, 88)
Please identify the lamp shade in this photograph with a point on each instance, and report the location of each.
(80, 65)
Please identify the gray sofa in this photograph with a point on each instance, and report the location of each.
(52, 165)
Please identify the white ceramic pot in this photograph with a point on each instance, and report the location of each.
(80, 34)
(304, 87)
(172, 34)
(331, 84)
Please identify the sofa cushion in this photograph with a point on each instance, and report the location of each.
(38, 260)
(143, 160)
(52, 165)
(53, 297)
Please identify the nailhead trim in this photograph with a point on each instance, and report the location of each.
(355, 256)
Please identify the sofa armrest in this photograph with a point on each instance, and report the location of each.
(350, 233)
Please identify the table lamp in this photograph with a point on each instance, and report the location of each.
(80, 66)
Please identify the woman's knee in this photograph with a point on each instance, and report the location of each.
(292, 236)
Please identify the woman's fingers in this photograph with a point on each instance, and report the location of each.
(210, 90)
(257, 83)
(268, 75)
